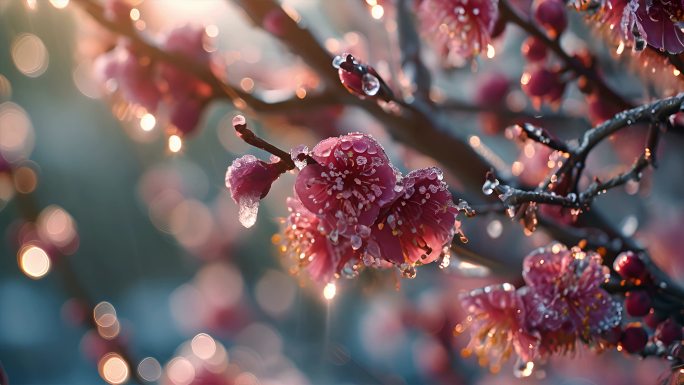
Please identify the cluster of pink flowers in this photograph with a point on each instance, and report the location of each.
(146, 82)
(562, 303)
(460, 29)
(353, 208)
(657, 23)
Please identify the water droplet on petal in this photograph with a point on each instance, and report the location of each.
(355, 242)
(523, 369)
(370, 84)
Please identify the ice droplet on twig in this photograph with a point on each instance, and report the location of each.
(337, 61)
(370, 84)
(298, 155)
(489, 186)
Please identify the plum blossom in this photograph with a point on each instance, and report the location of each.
(497, 324)
(306, 242)
(640, 22)
(249, 179)
(347, 187)
(561, 303)
(565, 293)
(459, 29)
(416, 227)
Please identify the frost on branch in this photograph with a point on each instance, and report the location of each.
(562, 303)
(249, 179)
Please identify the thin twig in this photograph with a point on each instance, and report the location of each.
(249, 137)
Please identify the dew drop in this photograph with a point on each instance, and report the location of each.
(337, 61)
(489, 186)
(370, 84)
(355, 242)
(523, 369)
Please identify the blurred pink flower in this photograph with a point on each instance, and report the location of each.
(565, 297)
(415, 228)
(351, 181)
(249, 179)
(460, 29)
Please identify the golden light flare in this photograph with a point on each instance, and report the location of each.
(377, 11)
(59, 4)
(329, 291)
(491, 52)
(113, 369)
(29, 55)
(175, 143)
(148, 122)
(34, 262)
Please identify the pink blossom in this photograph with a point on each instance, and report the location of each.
(497, 324)
(351, 181)
(188, 41)
(647, 21)
(460, 29)
(417, 226)
(565, 293)
(249, 179)
(134, 77)
(306, 242)
(659, 20)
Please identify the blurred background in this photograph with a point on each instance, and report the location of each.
(149, 275)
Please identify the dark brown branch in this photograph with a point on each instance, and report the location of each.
(249, 137)
(409, 43)
(508, 12)
(539, 135)
(656, 111)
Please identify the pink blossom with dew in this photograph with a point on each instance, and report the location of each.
(653, 22)
(565, 297)
(347, 187)
(249, 180)
(497, 325)
(661, 21)
(460, 29)
(305, 241)
(417, 226)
